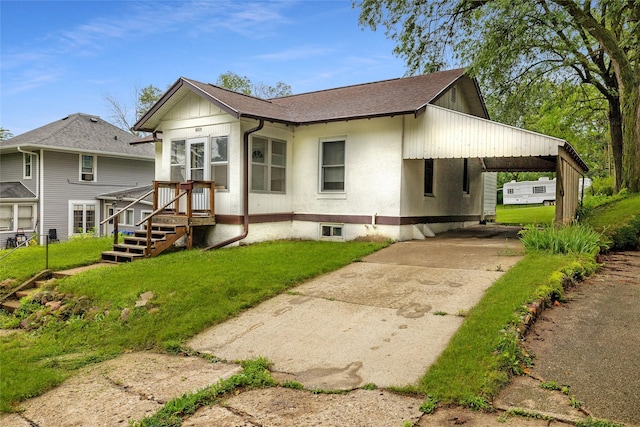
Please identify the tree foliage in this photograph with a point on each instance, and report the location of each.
(5, 134)
(125, 114)
(242, 84)
(509, 43)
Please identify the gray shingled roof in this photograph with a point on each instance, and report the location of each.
(384, 98)
(81, 132)
(15, 190)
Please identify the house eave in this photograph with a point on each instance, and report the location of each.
(33, 147)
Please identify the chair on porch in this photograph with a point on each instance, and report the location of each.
(53, 235)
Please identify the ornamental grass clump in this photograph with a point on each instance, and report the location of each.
(576, 239)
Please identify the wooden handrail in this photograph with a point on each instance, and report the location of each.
(128, 206)
(160, 209)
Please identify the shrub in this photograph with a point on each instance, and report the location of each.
(577, 239)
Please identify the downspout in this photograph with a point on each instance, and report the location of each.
(38, 184)
(245, 194)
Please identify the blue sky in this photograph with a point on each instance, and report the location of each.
(64, 57)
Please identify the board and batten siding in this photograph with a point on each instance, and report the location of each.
(440, 134)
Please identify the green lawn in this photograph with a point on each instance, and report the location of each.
(192, 290)
(524, 215)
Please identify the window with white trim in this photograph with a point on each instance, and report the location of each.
(87, 168)
(268, 165)
(332, 231)
(82, 217)
(126, 217)
(332, 174)
(509, 190)
(17, 215)
(220, 161)
(178, 160)
(28, 163)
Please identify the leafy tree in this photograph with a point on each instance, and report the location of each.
(5, 134)
(124, 116)
(591, 42)
(242, 84)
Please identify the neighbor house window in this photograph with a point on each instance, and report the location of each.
(178, 161)
(333, 162)
(83, 217)
(428, 177)
(126, 217)
(465, 176)
(87, 168)
(220, 161)
(15, 216)
(268, 165)
(27, 166)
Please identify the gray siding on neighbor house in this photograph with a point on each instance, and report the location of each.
(11, 170)
(62, 184)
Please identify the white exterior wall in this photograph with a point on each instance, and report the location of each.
(373, 168)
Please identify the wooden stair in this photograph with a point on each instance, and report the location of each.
(11, 301)
(133, 248)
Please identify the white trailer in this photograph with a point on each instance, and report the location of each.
(542, 191)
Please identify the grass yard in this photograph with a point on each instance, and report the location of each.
(468, 371)
(524, 215)
(23, 263)
(613, 214)
(192, 290)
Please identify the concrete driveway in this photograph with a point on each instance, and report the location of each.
(384, 320)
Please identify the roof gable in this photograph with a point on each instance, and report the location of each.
(81, 133)
(407, 95)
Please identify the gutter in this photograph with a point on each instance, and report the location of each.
(245, 195)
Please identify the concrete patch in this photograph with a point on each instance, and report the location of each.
(526, 393)
(332, 344)
(285, 407)
(403, 286)
(130, 387)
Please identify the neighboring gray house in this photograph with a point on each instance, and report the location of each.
(69, 175)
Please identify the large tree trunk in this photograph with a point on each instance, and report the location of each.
(630, 103)
(615, 131)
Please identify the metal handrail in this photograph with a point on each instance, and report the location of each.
(160, 209)
(127, 207)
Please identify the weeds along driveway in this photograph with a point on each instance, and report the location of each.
(383, 321)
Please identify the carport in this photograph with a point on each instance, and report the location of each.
(441, 133)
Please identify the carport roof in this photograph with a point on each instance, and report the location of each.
(447, 134)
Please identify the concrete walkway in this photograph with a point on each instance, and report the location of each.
(383, 321)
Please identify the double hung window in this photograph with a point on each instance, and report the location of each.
(87, 168)
(268, 165)
(28, 163)
(332, 167)
(178, 161)
(220, 161)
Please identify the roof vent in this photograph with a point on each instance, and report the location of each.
(94, 120)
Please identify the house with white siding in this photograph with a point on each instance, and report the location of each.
(66, 176)
(402, 159)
